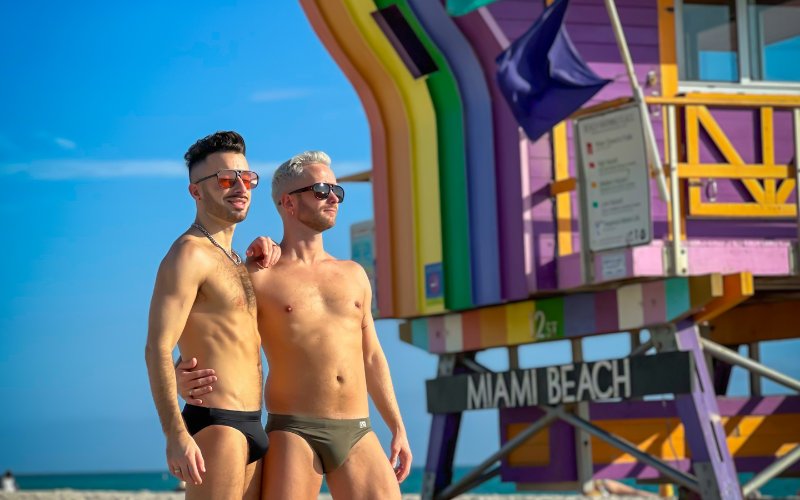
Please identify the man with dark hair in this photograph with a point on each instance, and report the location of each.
(325, 359)
(203, 301)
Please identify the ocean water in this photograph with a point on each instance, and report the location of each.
(163, 481)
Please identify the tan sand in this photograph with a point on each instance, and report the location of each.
(149, 495)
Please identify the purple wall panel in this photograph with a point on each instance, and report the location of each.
(542, 256)
(561, 465)
(578, 314)
(589, 28)
(606, 312)
(784, 150)
(588, 25)
(739, 126)
(741, 229)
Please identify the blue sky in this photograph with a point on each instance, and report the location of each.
(100, 101)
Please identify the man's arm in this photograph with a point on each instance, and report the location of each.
(179, 277)
(380, 388)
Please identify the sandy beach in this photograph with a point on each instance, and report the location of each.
(148, 495)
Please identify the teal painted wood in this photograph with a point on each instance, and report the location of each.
(419, 333)
(678, 298)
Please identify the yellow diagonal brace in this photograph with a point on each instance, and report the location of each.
(728, 151)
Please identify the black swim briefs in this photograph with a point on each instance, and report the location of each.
(248, 423)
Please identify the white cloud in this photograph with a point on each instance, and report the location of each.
(105, 169)
(83, 169)
(64, 143)
(273, 95)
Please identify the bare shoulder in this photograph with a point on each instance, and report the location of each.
(186, 255)
(354, 269)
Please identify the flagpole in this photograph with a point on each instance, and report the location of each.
(638, 95)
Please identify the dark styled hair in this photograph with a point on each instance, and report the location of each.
(214, 143)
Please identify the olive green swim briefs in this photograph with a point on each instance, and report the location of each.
(331, 439)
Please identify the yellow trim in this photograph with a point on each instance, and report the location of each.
(768, 152)
(729, 171)
(603, 106)
(726, 100)
(667, 47)
(729, 100)
(561, 187)
(735, 210)
(769, 199)
(692, 135)
(784, 191)
(704, 288)
(767, 137)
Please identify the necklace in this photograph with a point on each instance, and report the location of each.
(236, 261)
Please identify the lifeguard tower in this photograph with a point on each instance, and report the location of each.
(484, 238)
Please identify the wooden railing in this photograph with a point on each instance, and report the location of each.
(689, 122)
(769, 184)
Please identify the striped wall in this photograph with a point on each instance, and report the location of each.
(464, 212)
(478, 141)
(453, 192)
(758, 431)
(629, 307)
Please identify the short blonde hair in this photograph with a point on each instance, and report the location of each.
(293, 168)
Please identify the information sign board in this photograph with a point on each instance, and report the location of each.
(615, 185)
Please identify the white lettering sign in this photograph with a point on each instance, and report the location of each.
(564, 384)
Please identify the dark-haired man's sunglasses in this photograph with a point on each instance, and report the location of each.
(322, 190)
(227, 178)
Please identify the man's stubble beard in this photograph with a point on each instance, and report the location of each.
(226, 213)
(315, 220)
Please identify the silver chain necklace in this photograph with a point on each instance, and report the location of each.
(236, 261)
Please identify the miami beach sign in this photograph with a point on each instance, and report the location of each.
(666, 373)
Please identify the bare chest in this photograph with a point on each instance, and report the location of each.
(228, 288)
(319, 295)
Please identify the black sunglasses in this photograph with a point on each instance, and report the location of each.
(227, 178)
(322, 190)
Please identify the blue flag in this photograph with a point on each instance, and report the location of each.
(543, 77)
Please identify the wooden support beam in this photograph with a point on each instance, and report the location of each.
(737, 289)
(563, 186)
(757, 322)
